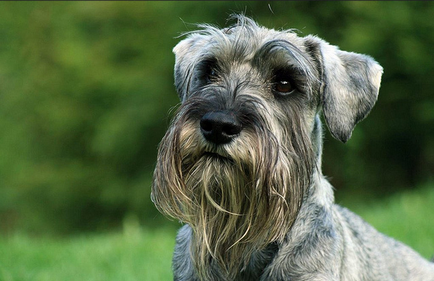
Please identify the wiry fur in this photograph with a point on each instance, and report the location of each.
(258, 207)
(227, 200)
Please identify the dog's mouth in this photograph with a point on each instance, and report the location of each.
(216, 156)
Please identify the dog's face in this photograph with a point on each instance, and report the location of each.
(246, 140)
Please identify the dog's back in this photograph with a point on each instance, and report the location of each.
(388, 258)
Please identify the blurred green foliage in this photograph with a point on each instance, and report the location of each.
(86, 90)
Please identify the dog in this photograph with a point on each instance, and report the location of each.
(240, 163)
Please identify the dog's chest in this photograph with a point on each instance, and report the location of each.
(258, 263)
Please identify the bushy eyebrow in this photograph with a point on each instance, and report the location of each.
(281, 53)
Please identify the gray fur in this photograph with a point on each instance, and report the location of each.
(258, 207)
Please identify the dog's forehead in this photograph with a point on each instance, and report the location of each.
(243, 42)
(257, 36)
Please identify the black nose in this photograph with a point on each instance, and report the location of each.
(220, 127)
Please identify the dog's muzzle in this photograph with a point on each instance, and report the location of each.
(220, 127)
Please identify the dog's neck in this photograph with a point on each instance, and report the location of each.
(320, 191)
(317, 139)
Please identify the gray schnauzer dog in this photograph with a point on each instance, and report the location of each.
(240, 164)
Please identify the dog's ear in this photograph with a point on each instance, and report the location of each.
(184, 64)
(350, 85)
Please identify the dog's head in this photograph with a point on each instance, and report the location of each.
(245, 143)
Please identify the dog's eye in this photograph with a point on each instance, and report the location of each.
(283, 87)
(283, 83)
(211, 75)
(210, 71)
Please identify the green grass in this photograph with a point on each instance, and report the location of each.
(132, 255)
(407, 217)
(138, 254)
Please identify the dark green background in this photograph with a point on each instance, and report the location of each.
(86, 91)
